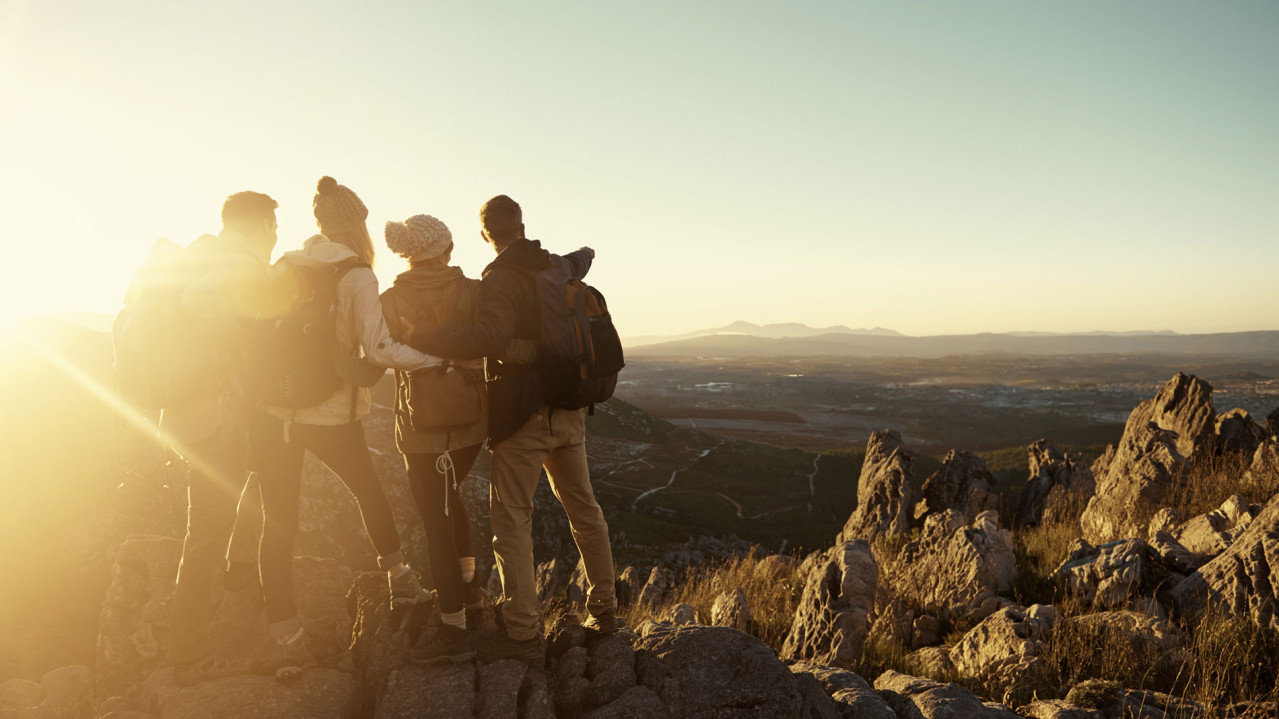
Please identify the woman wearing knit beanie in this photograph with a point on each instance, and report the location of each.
(439, 454)
(331, 430)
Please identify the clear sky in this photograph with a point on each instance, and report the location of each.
(932, 167)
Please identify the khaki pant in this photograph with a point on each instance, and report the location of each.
(556, 441)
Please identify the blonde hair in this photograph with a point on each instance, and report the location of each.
(357, 239)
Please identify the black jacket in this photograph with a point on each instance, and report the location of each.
(506, 326)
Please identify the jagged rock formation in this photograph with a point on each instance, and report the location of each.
(914, 697)
(1161, 436)
(832, 620)
(1241, 579)
(957, 569)
(1057, 486)
(1005, 646)
(886, 491)
(1238, 433)
(1110, 575)
(658, 588)
(1210, 534)
(963, 484)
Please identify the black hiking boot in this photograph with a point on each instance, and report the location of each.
(285, 661)
(449, 644)
(406, 589)
(601, 625)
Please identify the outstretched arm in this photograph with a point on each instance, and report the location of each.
(488, 336)
(375, 336)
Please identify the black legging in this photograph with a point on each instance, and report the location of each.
(448, 537)
(279, 464)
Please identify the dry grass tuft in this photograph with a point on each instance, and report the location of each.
(772, 594)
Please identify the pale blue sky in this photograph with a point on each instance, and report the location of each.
(929, 167)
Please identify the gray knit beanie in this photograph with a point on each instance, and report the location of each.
(420, 237)
(337, 209)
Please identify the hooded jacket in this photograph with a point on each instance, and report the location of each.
(420, 287)
(360, 329)
(506, 326)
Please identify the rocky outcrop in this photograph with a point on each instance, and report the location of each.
(1241, 579)
(955, 568)
(1110, 575)
(853, 695)
(1238, 433)
(718, 672)
(1005, 646)
(1161, 437)
(658, 589)
(886, 490)
(1210, 534)
(1148, 634)
(833, 617)
(732, 610)
(1058, 487)
(319, 693)
(63, 693)
(914, 697)
(963, 484)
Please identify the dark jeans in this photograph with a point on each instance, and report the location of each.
(279, 465)
(448, 536)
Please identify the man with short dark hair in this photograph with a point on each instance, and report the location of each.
(210, 430)
(526, 434)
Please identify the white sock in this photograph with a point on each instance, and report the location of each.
(454, 619)
(397, 575)
(296, 636)
(468, 569)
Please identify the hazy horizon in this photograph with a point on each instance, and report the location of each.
(991, 167)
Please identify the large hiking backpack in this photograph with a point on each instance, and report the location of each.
(162, 359)
(579, 352)
(295, 336)
(444, 398)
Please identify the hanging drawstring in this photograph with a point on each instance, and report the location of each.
(444, 465)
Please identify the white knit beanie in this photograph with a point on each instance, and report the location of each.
(420, 237)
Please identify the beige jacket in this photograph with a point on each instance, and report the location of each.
(360, 329)
(223, 300)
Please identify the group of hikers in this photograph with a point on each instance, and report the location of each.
(254, 363)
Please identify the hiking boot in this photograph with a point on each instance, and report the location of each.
(601, 625)
(210, 666)
(285, 661)
(449, 644)
(240, 575)
(501, 646)
(406, 589)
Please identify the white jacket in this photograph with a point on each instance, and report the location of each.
(361, 329)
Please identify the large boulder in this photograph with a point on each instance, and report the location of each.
(1240, 580)
(832, 620)
(1058, 487)
(955, 567)
(1111, 575)
(732, 610)
(886, 490)
(1162, 436)
(63, 693)
(854, 697)
(1211, 533)
(1005, 646)
(659, 588)
(914, 697)
(1238, 433)
(716, 672)
(963, 484)
(133, 631)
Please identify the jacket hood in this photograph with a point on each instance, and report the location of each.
(428, 278)
(522, 253)
(319, 251)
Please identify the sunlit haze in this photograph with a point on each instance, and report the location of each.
(928, 167)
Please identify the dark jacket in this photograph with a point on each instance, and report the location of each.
(506, 327)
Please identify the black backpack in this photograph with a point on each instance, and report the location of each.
(296, 335)
(163, 358)
(579, 352)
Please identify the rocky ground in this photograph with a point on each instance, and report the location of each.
(932, 601)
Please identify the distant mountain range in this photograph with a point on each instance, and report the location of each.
(775, 331)
(743, 339)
